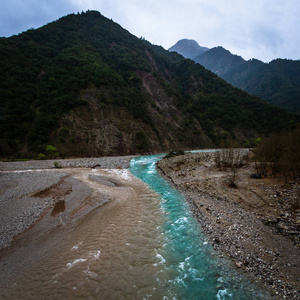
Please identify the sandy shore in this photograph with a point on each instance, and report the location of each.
(255, 223)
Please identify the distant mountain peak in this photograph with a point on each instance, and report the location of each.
(188, 48)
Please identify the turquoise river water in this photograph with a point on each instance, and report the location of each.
(196, 272)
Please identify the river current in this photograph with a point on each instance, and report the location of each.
(147, 247)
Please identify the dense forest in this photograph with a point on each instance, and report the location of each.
(278, 82)
(89, 87)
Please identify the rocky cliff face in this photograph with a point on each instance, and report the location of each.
(95, 130)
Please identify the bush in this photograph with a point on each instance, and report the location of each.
(41, 156)
(57, 165)
(231, 158)
(51, 151)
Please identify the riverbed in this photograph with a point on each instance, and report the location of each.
(121, 234)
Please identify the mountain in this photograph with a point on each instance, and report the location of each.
(188, 48)
(219, 60)
(277, 82)
(88, 87)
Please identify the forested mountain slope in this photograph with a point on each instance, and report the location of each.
(277, 82)
(219, 60)
(90, 88)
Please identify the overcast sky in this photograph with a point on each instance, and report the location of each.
(262, 29)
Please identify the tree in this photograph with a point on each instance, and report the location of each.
(41, 156)
(51, 151)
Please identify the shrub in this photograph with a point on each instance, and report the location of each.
(231, 158)
(57, 165)
(51, 151)
(41, 156)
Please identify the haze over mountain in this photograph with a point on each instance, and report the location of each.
(277, 82)
(87, 86)
(188, 48)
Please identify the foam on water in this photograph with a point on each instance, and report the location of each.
(95, 254)
(223, 294)
(160, 258)
(121, 173)
(74, 262)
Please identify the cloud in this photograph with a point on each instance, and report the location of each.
(264, 29)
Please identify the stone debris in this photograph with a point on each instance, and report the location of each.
(258, 231)
(113, 162)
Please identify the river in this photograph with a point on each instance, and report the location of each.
(145, 246)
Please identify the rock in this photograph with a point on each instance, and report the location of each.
(270, 220)
(282, 225)
(217, 241)
(246, 263)
(294, 232)
(239, 264)
(255, 176)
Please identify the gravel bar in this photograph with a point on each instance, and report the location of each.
(113, 162)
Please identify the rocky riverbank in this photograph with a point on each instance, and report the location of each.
(254, 221)
(113, 162)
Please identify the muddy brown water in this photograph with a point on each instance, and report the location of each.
(110, 253)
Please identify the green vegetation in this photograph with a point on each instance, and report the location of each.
(277, 82)
(51, 151)
(41, 156)
(141, 141)
(87, 61)
(57, 165)
(14, 159)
